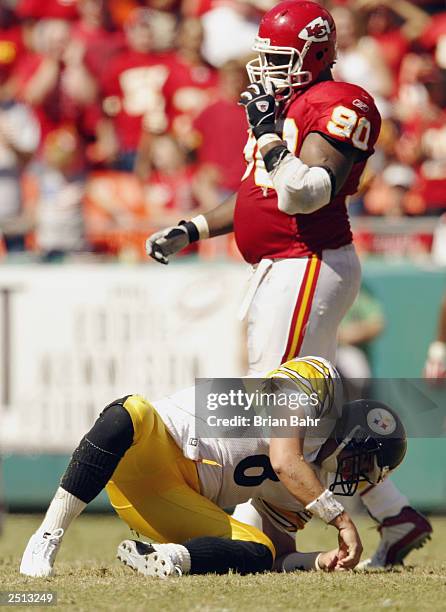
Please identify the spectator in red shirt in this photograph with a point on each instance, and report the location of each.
(220, 159)
(191, 81)
(169, 192)
(95, 32)
(132, 87)
(393, 24)
(56, 83)
(423, 144)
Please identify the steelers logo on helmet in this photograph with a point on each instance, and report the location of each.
(381, 421)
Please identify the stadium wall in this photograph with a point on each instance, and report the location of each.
(74, 337)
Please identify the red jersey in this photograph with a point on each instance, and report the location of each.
(213, 125)
(58, 108)
(345, 113)
(394, 46)
(100, 46)
(133, 95)
(187, 91)
(171, 191)
(429, 134)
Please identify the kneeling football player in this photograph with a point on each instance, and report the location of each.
(171, 486)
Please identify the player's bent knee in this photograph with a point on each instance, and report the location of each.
(142, 415)
(113, 431)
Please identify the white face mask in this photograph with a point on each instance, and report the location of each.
(374, 475)
(284, 76)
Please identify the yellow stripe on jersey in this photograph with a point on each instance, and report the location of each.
(312, 375)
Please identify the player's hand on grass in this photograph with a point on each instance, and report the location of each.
(169, 241)
(327, 560)
(350, 546)
(260, 108)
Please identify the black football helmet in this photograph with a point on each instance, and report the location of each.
(374, 442)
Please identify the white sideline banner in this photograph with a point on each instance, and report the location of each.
(75, 337)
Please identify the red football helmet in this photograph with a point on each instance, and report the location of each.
(296, 42)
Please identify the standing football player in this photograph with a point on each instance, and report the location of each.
(309, 140)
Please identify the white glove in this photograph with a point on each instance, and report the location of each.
(169, 241)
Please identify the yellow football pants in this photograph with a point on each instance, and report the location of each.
(155, 488)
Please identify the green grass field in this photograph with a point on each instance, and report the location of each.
(89, 578)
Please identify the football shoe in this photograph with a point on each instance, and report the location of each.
(145, 559)
(400, 534)
(40, 553)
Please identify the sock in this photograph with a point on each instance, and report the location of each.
(179, 555)
(63, 509)
(297, 561)
(384, 500)
(212, 555)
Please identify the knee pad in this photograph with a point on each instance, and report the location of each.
(113, 430)
(99, 453)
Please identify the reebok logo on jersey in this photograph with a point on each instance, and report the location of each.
(316, 31)
(361, 105)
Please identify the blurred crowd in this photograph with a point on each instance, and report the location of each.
(120, 116)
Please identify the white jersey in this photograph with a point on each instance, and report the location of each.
(233, 470)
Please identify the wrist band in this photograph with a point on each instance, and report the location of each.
(262, 129)
(273, 158)
(202, 226)
(266, 139)
(197, 228)
(191, 229)
(326, 507)
(317, 567)
(437, 351)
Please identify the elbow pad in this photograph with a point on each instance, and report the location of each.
(301, 189)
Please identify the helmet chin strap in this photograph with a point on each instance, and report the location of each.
(330, 463)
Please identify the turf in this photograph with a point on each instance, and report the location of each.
(88, 577)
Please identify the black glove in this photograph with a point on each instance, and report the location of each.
(260, 109)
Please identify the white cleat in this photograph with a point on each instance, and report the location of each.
(400, 535)
(145, 559)
(40, 554)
